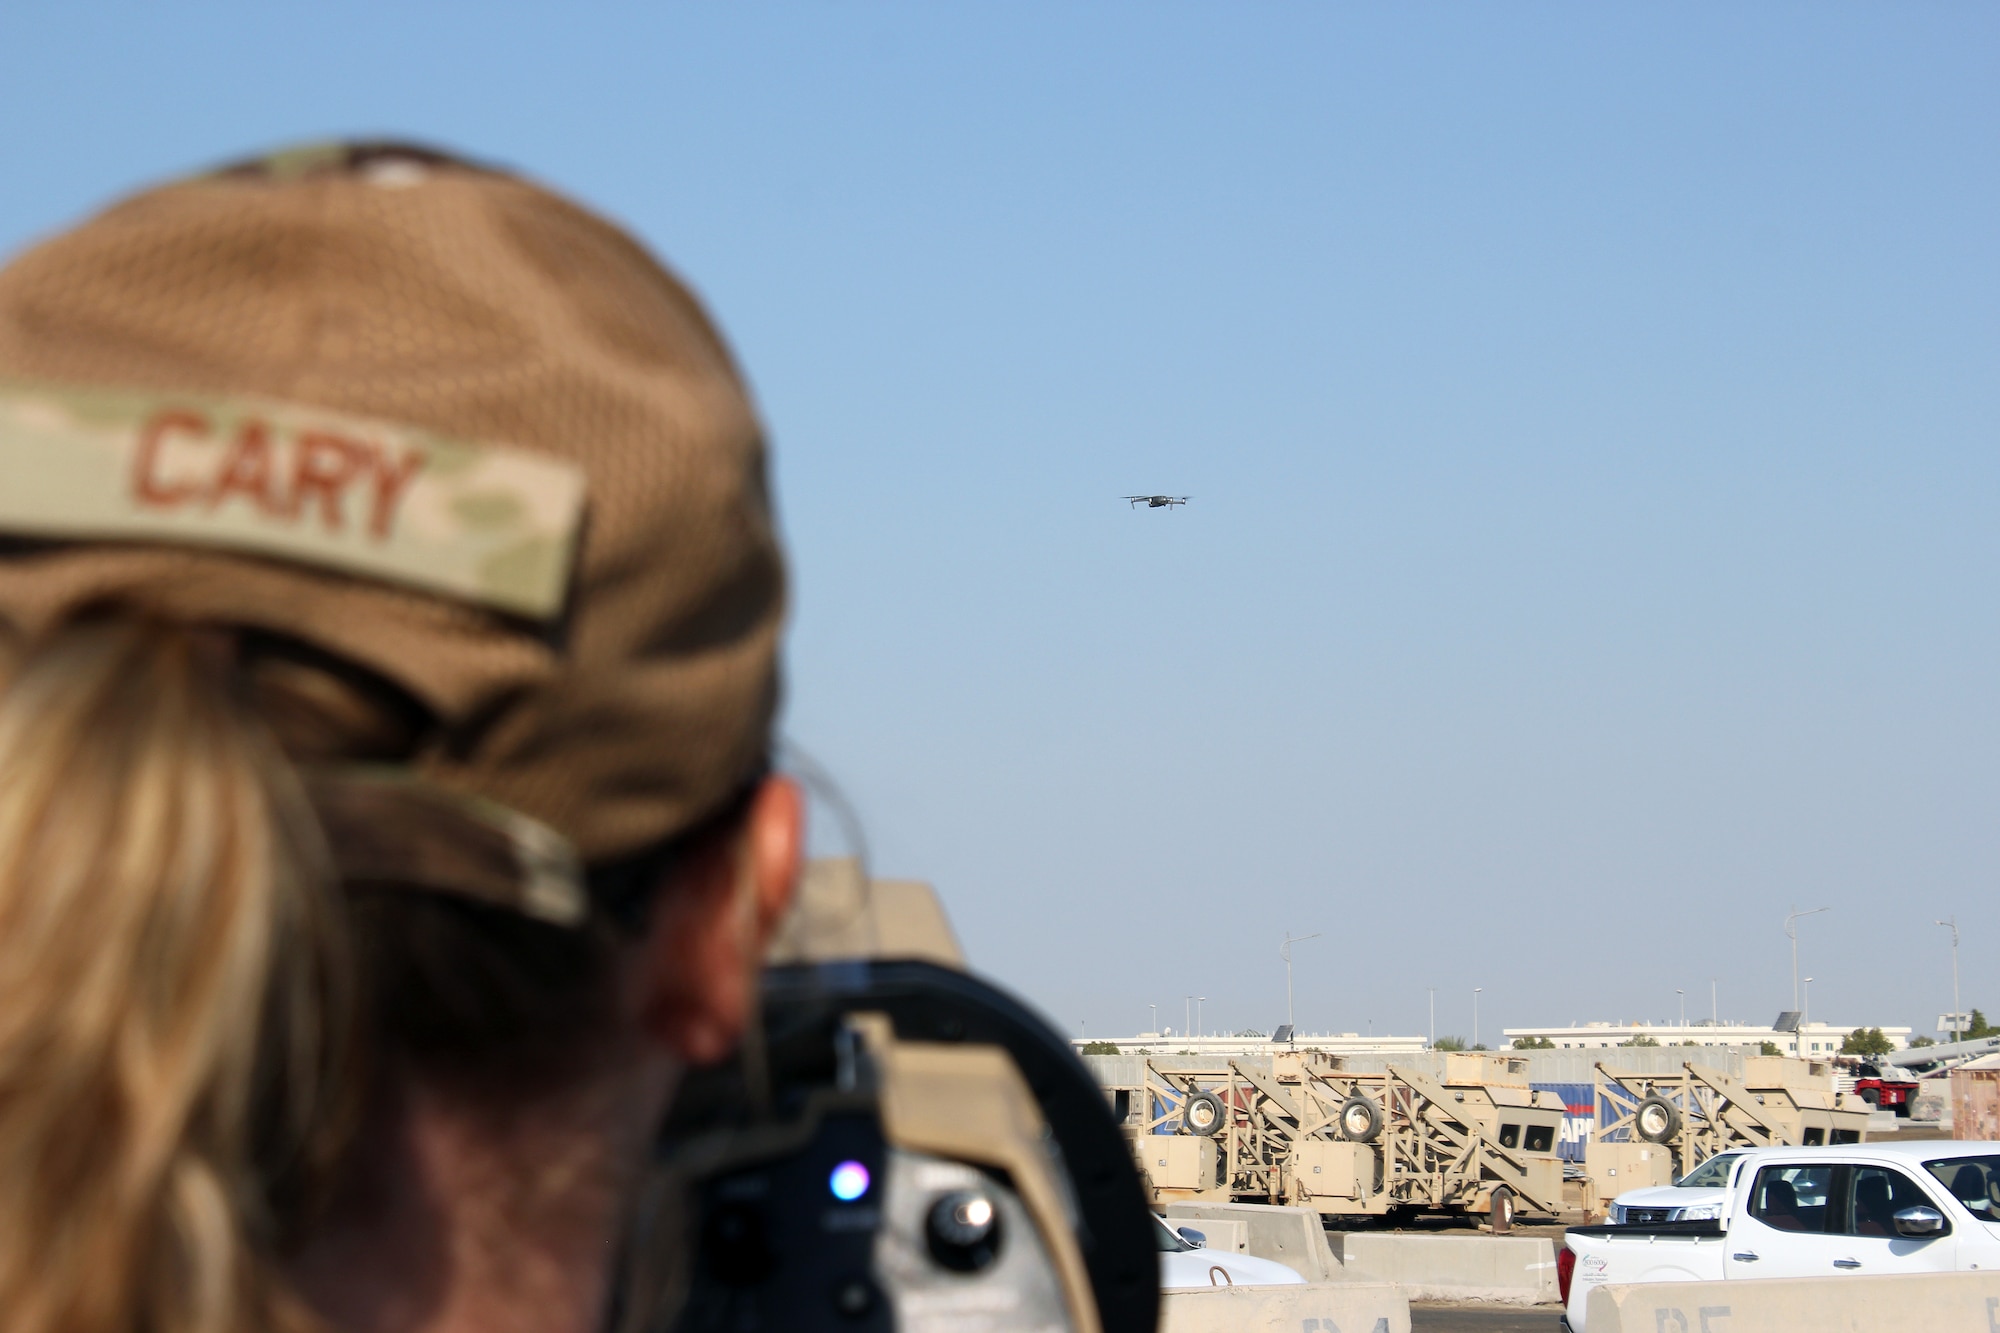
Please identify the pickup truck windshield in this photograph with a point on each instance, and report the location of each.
(1975, 1181)
(1712, 1174)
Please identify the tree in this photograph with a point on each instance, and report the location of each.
(1768, 1048)
(1915, 1042)
(1099, 1048)
(1448, 1044)
(1641, 1040)
(1533, 1044)
(1866, 1041)
(1980, 1027)
(1478, 1045)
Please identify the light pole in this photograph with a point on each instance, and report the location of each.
(1684, 1009)
(1285, 952)
(1805, 1012)
(1200, 1030)
(1434, 1014)
(1475, 1015)
(1951, 923)
(1792, 931)
(1153, 1014)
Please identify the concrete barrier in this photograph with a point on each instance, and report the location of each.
(1518, 1270)
(1933, 1302)
(1230, 1234)
(1295, 1237)
(1319, 1307)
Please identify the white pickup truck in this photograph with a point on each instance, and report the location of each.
(1810, 1212)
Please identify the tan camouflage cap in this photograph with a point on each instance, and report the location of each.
(431, 419)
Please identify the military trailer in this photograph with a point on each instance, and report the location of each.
(1304, 1130)
(1656, 1127)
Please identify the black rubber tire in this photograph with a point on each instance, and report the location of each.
(1656, 1120)
(1502, 1211)
(1360, 1119)
(1872, 1096)
(1203, 1114)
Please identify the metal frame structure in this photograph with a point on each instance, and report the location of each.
(1437, 1146)
(1717, 1112)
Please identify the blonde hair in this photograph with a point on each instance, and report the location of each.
(174, 992)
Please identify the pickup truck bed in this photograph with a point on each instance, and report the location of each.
(1663, 1251)
(1641, 1230)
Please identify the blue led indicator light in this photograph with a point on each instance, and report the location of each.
(848, 1182)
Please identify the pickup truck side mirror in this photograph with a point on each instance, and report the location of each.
(1920, 1222)
(1199, 1239)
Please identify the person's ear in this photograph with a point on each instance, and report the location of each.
(706, 943)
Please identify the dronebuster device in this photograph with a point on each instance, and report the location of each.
(901, 1146)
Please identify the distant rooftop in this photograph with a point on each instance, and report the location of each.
(1813, 1038)
(1333, 1043)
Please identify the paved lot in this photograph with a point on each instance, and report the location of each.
(1447, 1226)
(1426, 1317)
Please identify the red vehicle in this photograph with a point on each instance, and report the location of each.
(1888, 1089)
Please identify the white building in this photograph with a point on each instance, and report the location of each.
(1813, 1039)
(1333, 1043)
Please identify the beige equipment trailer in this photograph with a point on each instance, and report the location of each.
(1657, 1127)
(1303, 1130)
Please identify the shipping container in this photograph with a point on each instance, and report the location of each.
(1975, 1104)
(1579, 1117)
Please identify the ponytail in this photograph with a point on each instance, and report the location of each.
(173, 992)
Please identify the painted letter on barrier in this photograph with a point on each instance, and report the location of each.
(1669, 1321)
(1709, 1312)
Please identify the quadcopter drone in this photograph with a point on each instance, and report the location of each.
(1158, 501)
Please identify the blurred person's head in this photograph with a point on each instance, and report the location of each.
(389, 615)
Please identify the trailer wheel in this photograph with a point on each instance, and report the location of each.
(1502, 1212)
(1872, 1096)
(1203, 1114)
(1360, 1119)
(1902, 1109)
(1656, 1119)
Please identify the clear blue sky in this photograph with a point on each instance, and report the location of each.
(1589, 412)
